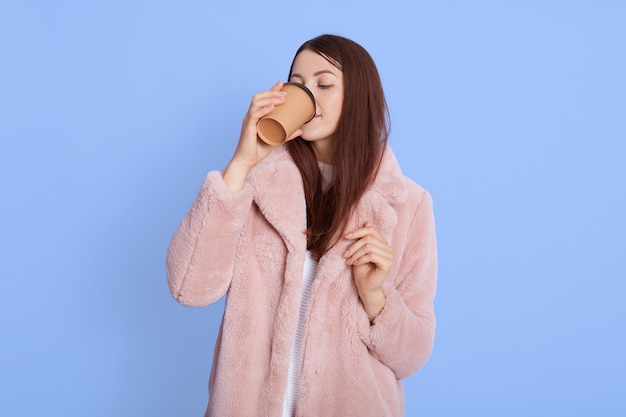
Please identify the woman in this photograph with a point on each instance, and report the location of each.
(327, 253)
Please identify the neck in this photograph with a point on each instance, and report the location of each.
(323, 150)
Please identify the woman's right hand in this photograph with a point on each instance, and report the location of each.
(250, 150)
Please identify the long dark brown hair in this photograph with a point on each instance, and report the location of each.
(360, 141)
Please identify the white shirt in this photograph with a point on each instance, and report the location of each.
(295, 361)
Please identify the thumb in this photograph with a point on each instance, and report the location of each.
(294, 135)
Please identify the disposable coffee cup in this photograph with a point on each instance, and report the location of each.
(287, 117)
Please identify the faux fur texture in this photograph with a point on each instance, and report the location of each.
(251, 245)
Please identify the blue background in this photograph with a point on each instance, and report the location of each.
(512, 113)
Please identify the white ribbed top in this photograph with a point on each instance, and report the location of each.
(295, 361)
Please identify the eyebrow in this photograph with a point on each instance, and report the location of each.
(316, 74)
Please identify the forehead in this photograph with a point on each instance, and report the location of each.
(308, 63)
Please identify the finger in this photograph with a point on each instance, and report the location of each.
(381, 263)
(368, 241)
(258, 112)
(362, 231)
(278, 86)
(365, 247)
(262, 105)
(274, 92)
(363, 236)
(267, 98)
(382, 255)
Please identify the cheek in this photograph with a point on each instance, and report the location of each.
(330, 105)
(333, 103)
(338, 105)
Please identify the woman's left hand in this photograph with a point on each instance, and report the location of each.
(371, 259)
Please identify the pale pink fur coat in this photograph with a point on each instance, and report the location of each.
(250, 244)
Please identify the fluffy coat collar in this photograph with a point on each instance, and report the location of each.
(279, 194)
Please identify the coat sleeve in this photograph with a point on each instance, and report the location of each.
(402, 335)
(201, 254)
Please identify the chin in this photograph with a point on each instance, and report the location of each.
(312, 137)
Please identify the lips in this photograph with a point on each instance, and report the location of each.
(314, 117)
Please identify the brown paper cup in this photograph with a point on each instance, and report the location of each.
(297, 109)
